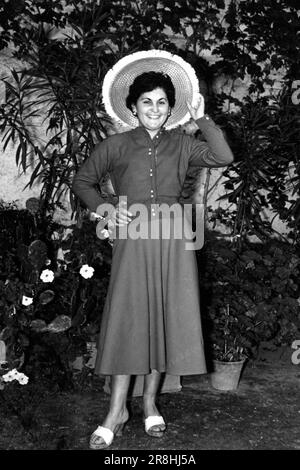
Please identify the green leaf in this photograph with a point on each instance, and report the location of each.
(59, 324)
(37, 254)
(39, 326)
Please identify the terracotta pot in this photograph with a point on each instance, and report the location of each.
(226, 375)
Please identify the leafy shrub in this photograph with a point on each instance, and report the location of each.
(52, 293)
(250, 295)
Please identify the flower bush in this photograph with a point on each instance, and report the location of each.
(250, 296)
(52, 288)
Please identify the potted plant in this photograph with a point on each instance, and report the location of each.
(229, 352)
(250, 298)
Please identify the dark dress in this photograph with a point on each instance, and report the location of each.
(151, 319)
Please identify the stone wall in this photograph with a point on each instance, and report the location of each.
(12, 179)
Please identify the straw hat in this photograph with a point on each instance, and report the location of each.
(119, 78)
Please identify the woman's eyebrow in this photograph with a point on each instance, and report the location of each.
(150, 99)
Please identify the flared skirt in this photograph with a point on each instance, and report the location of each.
(151, 318)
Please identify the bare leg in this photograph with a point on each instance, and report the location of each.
(151, 383)
(117, 413)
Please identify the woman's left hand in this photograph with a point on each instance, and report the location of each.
(197, 108)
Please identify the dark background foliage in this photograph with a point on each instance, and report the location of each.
(250, 296)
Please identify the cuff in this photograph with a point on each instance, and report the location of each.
(206, 123)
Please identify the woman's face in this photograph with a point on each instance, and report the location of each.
(152, 109)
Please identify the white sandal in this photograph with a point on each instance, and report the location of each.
(152, 422)
(106, 435)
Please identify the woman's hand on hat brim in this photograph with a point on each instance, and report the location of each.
(196, 108)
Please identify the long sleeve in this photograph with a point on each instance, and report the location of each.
(215, 152)
(148, 170)
(90, 174)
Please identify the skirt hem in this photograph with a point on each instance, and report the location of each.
(181, 373)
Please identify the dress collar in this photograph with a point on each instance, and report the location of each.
(140, 130)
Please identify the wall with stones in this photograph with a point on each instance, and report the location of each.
(12, 179)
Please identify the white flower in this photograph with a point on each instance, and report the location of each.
(15, 375)
(23, 379)
(86, 271)
(10, 376)
(47, 275)
(26, 300)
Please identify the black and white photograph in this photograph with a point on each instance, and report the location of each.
(149, 228)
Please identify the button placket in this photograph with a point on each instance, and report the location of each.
(152, 153)
(152, 195)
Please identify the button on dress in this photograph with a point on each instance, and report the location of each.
(151, 318)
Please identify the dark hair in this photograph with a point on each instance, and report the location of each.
(149, 81)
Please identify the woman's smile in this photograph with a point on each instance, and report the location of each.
(152, 109)
(154, 117)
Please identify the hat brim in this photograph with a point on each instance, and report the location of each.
(118, 79)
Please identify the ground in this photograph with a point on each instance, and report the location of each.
(262, 414)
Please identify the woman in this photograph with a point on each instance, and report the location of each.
(151, 321)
